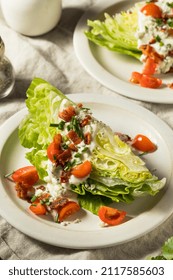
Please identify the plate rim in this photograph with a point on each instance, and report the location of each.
(83, 53)
(89, 242)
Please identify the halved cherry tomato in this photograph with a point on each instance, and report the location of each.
(27, 176)
(152, 10)
(82, 170)
(38, 208)
(67, 210)
(111, 216)
(150, 82)
(53, 151)
(149, 67)
(143, 143)
(135, 77)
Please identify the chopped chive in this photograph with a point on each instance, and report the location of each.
(58, 125)
(143, 154)
(159, 21)
(33, 198)
(170, 22)
(170, 4)
(65, 146)
(8, 175)
(56, 218)
(77, 155)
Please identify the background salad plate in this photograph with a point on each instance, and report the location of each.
(143, 215)
(111, 69)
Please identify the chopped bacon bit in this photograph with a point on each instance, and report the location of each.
(41, 188)
(67, 113)
(59, 203)
(43, 196)
(64, 178)
(152, 41)
(80, 105)
(57, 140)
(64, 157)
(74, 137)
(170, 32)
(170, 86)
(22, 191)
(123, 137)
(85, 121)
(73, 147)
(87, 138)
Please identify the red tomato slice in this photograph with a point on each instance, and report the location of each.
(27, 176)
(135, 77)
(150, 82)
(67, 210)
(152, 10)
(111, 216)
(38, 208)
(82, 170)
(143, 143)
(149, 67)
(53, 151)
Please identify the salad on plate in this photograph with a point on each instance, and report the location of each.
(77, 161)
(144, 32)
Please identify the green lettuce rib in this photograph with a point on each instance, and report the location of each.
(116, 33)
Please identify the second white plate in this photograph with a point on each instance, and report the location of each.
(111, 69)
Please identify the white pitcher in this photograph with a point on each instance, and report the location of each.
(32, 17)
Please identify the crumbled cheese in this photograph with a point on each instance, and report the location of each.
(150, 29)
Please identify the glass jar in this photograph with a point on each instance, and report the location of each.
(7, 78)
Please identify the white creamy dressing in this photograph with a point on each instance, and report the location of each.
(53, 185)
(149, 29)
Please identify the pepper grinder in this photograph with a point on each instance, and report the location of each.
(7, 78)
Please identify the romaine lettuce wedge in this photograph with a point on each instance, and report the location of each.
(116, 33)
(117, 173)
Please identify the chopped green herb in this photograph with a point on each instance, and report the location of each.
(85, 149)
(77, 155)
(158, 39)
(69, 165)
(64, 146)
(58, 125)
(75, 125)
(159, 21)
(146, 28)
(33, 198)
(170, 22)
(170, 4)
(45, 201)
(8, 175)
(56, 218)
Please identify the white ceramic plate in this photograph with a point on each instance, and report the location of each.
(111, 69)
(145, 213)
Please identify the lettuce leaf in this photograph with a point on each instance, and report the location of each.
(166, 251)
(43, 103)
(116, 33)
(118, 175)
(117, 172)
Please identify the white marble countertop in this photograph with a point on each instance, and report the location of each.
(51, 57)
